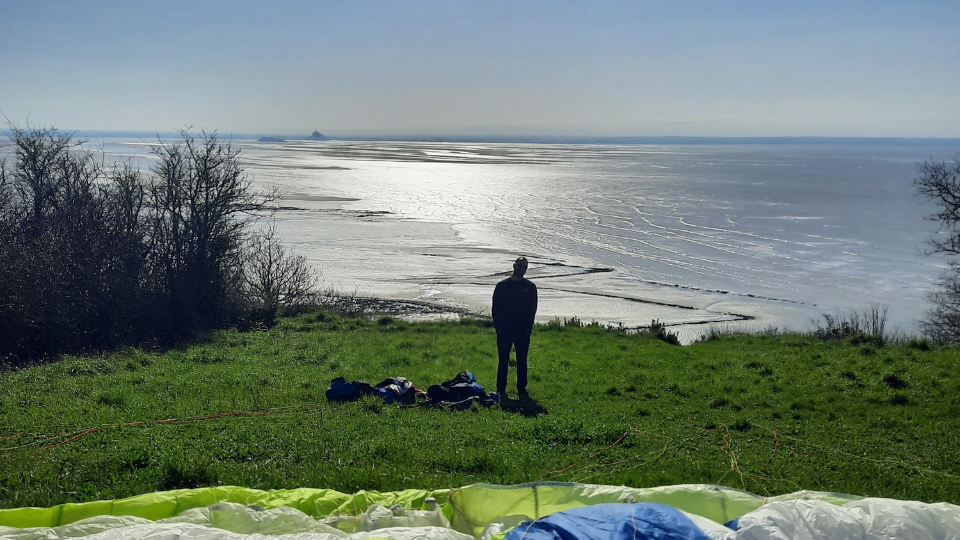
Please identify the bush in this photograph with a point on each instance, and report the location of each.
(71, 252)
(869, 326)
(274, 277)
(659, 330)
(201, 207)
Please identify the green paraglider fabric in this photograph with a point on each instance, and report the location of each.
(164, 504)
(474, 507)
(480, 511)
(470, 509)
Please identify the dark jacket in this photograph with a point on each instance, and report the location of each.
(514, 306)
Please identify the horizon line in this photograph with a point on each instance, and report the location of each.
(570, 139)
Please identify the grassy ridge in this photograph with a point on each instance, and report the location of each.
(769, 414)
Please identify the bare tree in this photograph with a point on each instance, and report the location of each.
(64, 261)
(7, 275)
(939, 181)
(942, 323)
(273, 276)
(6, 194)
(93, 257)
(201, 206)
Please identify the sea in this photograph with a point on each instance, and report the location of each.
(732, 237)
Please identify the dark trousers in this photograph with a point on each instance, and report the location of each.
(506, 341)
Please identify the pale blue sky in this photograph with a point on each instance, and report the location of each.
(764, 68)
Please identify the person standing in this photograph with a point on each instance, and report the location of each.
(514, 309)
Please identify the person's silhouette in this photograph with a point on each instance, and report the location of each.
(514, 309)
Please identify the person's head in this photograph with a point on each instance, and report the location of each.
(520, 267)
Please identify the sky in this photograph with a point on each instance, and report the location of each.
(461, 67)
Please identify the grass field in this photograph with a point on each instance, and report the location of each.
(769, 413)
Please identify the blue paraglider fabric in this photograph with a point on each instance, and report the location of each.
(612, 521)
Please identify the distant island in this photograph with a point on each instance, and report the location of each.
(315, 136)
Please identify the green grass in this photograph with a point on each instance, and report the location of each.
(768, 414)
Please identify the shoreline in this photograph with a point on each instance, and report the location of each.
(372, 307)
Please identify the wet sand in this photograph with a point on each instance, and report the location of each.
(741, 237)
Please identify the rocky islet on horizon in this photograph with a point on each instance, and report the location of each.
(315, 136)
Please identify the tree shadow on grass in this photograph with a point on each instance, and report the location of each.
(527, 406)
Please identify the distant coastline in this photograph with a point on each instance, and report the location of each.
(532, 139)
(664, 140)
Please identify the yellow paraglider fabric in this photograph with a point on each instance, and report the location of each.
(470, 509)
(153, 506)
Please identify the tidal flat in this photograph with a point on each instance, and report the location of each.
(740, 237)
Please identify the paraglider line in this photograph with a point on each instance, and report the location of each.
(595, 454)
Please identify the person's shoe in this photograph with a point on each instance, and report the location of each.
(523, 395)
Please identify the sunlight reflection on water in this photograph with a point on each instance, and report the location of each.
(691, 233)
